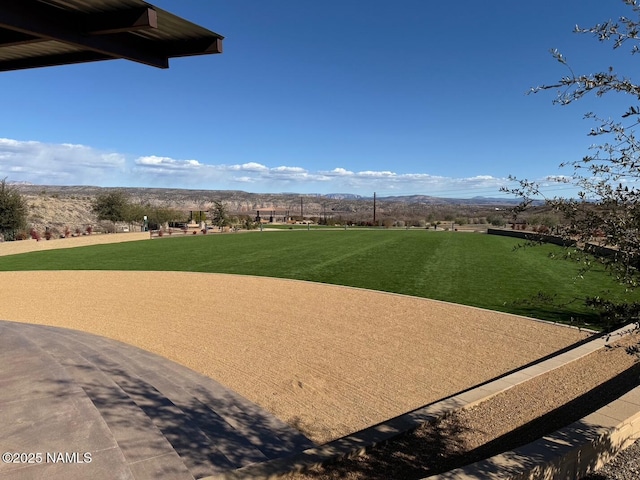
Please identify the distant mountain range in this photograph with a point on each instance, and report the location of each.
(288, 197)
(19, 183)
(427, 199)
(71, 205)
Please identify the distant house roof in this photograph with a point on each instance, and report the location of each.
(40, 33)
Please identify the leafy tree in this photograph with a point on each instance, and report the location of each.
(112, 206)
(13, 210)
(198, 216)
(606, 212)
(134, 213)
(247, 222)
(220, 214)
(496, 220)
(162, 214)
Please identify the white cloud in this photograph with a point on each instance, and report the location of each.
(558, 178)
(152, 160)
(45, 163)
(482, 177)
(74, 164)
(166, 162)
(244, 179)
(369, 173)
(289, 169)
(340, 171)
(6, 143)
(249, 167)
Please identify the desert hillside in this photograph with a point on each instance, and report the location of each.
(58, 207)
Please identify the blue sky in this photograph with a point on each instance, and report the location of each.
(338, 96)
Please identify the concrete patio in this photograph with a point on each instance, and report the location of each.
(137, 415)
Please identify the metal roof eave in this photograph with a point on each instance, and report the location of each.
(36, 33)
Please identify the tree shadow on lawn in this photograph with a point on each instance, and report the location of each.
(573, 312)
(605, 311)
(580, 319)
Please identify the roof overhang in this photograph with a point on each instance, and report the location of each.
(39, 33)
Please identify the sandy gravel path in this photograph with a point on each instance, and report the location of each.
(329, 360)
(25, 246)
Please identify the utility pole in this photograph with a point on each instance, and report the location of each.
(374, 209)
(301, 210)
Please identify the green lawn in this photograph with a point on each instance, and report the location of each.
(472, 269)
(271, 226)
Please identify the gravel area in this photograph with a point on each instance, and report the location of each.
(625, 466)
(26, 246)
(513, 418)
(339, 359)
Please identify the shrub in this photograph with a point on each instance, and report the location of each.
(496, 221)
(106, 227)
(35, 235)
(89, 230)
(67, 232)
(21, 235)
(13, 210)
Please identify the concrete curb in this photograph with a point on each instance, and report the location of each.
(357, 443)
